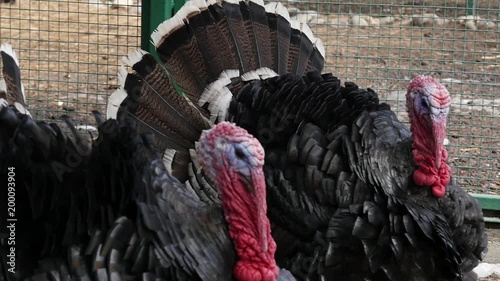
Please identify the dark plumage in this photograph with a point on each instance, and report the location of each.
(112, 211)
(340, 169)
(74, 207)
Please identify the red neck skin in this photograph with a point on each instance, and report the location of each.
(427, 149)
(249, 227)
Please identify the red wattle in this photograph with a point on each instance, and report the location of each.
(427, 174)
(439, 189)
(428, 133)
(249, 228)
(250, 271)
(423, 178)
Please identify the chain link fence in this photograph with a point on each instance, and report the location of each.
(70, 51)
(382, 44)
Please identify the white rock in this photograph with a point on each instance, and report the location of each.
(485, 24)
(372, 20)
(441, 21)
(464, 19)
(470, 24)
(97, 3)
(424, 19)
(120, 3)
(406, 22)
(358, 20)
(475, 22)
(387, 20)
(486, 269)
(451, 80)
(340, 20)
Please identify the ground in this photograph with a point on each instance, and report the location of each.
(70, 51)
(493, 255)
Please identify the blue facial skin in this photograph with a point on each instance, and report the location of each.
(240, 157)
(425, 107)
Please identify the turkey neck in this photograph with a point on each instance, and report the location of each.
(429, 153)
(245, 210)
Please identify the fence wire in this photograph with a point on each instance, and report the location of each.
(382, 44)
(70, 51)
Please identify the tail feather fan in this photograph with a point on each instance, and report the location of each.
(209, 50)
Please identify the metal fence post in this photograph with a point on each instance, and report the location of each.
(154, 13)
(471, 8)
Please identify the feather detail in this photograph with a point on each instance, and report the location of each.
(279, 23)
(218, 96)
(144, 94)
(245, 49)
(168, 159)
(114, 102)
(14, 89)
(261, 73)
(20, 107)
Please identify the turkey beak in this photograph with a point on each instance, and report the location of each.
(439, 134)
(248, 182)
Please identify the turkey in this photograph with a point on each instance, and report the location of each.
(112, 211)
(352, 193)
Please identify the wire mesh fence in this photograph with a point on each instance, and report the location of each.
(382, 44)
(70, 51)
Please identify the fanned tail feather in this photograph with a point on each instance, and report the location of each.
(204, 39)
(259, 31)
(148, 94)
(11, 86)
(12, 75)
(209, 51)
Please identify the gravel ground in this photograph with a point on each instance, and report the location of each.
(70, 51)
(493, 255)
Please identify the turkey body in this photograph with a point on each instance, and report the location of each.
(339, 165)
(107, 212)
(341, 194)
(75, 210)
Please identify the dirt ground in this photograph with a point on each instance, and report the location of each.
(443, 8)
(494, 277)
(493, 255)
(70, 52)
